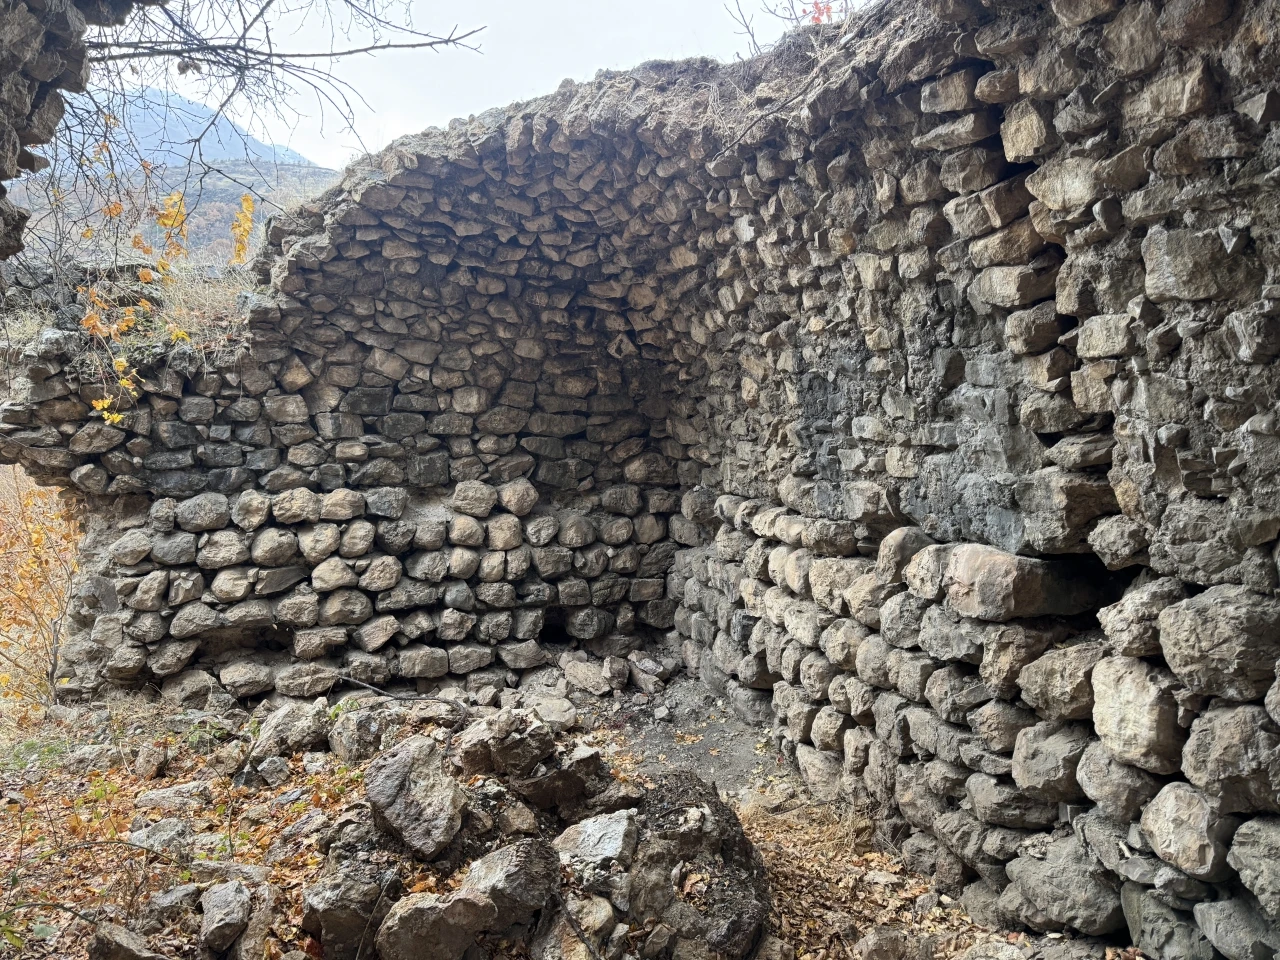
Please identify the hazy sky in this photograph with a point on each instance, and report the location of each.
(526, 49)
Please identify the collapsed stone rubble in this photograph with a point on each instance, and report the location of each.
(524, 834)
(922, 400)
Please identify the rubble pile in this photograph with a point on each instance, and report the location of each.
(521, 835)
(916, 380)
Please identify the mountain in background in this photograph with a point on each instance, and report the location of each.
(162, 125)
(159, 127)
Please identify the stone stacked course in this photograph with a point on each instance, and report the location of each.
(925, 394)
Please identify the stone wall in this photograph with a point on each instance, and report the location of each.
(920, 376)
(42, 52)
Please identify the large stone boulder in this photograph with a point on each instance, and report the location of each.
(1136, 714)
(730, 919)
(1070, 887)
(413, 798)
(225, 908)
(1119, 790)
(1233, 754)
(610, 837)
(520, 879)
(1059, 683)
(110, 941)
(1045, 758)
(989, 584)
(1158, 930)
(1132, 622)
(295, 726)
(343, 910)
(427, 926)
(1223, 642)
(1238, 928)
(1187, 829)
(1255, 855)
(1005, 805)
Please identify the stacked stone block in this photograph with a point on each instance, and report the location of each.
(374, 585)
(1035, 733)
(920, 376)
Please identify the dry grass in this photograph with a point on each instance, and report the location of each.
(196, 306)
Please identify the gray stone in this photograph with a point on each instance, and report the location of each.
(897, 550)
(1070, 887)
(599, 840)
(520, 879)
(306, 679)
(1186, 829)
(1045, 758)
(422, 661)
(426, 926)
(1223, 642)
(992, 585)
(413, 798)
(1255, 855)
(246, 679)
(1136, 714)
(474, 498)
(344, 907)
(1131, 624)
(1005, 805)
(223, 548)
(273, 547)
(1159, 930)
(1237, 928)
(299, 505)
(226, 909)
(113, 942)
(250, 510)
(1059, 683)
(294, 727)
(1119, 790)
(821, 771)
(193, 619)
(1233, 754)
(999, 722)
(208, 511)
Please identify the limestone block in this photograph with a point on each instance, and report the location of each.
(1136, 714)
(1186, 829)
(1223, 642)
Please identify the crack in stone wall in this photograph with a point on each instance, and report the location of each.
(916, 382)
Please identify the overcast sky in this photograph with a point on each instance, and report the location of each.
(526, 49)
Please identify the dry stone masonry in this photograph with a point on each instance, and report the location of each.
(915, 385)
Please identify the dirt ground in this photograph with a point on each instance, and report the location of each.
(68, 802)
(830, 888)
(700, 735)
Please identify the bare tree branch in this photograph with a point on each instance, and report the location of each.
(226, 54)
(748, 30)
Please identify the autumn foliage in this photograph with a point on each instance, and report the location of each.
(38, 536)
(115, 324)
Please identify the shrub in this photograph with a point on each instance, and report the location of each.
(38, 537)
